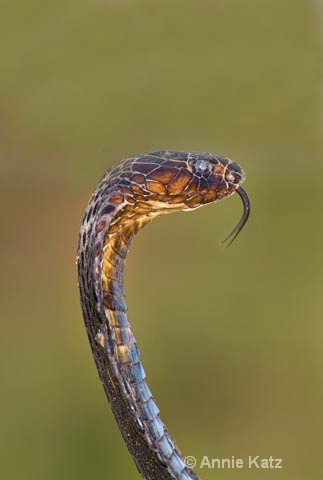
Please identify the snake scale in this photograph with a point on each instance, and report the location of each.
(128, 197)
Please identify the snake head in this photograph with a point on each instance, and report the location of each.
(207, 178)
(222, 176)
(168, 181)
(189, 179)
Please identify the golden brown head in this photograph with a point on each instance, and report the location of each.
(169, 180)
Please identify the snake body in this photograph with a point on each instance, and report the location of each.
(128, 197)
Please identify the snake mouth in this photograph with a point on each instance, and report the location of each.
(246, 211)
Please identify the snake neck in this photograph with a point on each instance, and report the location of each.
(102, 256)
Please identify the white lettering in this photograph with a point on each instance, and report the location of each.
(205, 462)
(253, 461)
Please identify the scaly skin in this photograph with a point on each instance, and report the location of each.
(127, 198)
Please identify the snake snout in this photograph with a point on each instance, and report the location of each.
(234, 174)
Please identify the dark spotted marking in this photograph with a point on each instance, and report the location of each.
(108, 209)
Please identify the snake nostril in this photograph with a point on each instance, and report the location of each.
(233, 177)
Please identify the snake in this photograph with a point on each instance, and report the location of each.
(129, 196)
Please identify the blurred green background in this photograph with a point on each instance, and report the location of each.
(231, 339)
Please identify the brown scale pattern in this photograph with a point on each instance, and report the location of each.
(128, 197)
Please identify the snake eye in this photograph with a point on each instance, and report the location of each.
(201, 167)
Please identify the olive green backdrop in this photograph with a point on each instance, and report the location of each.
(231, 339)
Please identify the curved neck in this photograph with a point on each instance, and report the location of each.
(102, 254)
